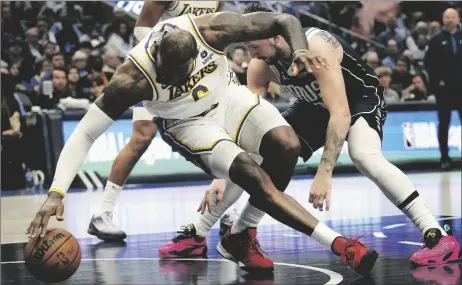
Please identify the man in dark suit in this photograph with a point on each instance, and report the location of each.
(443, 61)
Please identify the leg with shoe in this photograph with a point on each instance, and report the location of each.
(279, 147)
(364, 146)
(144, 131)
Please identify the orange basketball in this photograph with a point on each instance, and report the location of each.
(54, 258)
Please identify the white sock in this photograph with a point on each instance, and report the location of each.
(205, 222)
(249, 218)
(419, 213)
(364, 147)
(111, 193)
(324, 235)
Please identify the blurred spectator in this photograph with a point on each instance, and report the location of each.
(79, 60)
(119, 40)
(372, 59)
(434, 28)
(239, 63)
(67, 38)
(393, 54)
(49, 51)
(42, 68)
(57, 60)
(417, 91)
(35, 49)
(44, 34)
(401, 78)
(118, 14)
(443, 62)
(73, 79)
(111, 63)
(89, 31)
(392, 33)
(417, 44)
(55, 90)
(384, 75)
(86, 47)
(12, 170)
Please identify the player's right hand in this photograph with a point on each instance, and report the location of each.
(306, 59)
(52, 206)
(217, 187)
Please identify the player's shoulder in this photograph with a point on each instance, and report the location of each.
(257, 65)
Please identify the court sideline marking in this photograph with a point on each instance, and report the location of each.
(335, 278)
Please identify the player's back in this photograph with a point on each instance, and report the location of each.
(361, 83)
(207, 83)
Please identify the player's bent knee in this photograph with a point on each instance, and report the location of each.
(245, 172)
(282, 141)
(221, 159)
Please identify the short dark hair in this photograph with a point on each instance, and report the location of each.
(58, 53)
(404, 59)
(178, 46)
(256, 7)
(58, 69)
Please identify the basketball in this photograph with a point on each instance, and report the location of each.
(54, 258)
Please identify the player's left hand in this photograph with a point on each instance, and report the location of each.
(216, 188)
(306, 59)
(320, 191)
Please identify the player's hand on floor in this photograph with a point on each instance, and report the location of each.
(217, 187)
(308, 60)
(320, 191)
(52, 206)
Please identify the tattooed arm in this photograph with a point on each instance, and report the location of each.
(222, 29)
(333, 94)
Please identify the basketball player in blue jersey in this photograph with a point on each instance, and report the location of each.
(144, 129)
(350, 108)
(209, 122)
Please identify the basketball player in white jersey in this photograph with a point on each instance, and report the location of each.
(180, 74)
(144, 129)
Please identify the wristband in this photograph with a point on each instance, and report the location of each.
(301, 50)
(57, 190)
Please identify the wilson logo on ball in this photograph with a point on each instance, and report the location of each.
(40, 252)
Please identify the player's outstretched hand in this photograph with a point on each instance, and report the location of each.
(52, 206)
(308, 60)
(217, 187)
(320, 191)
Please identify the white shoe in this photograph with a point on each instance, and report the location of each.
(103, 228)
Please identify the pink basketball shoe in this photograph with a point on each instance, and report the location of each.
(186, 244)
(437, 249)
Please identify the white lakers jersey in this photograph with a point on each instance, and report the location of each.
(196, 8)
(205, 87)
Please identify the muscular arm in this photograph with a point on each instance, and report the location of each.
(259, 76)
(222, 29)
(151, 13)
(333, 94)
(126, 88)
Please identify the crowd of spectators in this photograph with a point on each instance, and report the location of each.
(62, 54)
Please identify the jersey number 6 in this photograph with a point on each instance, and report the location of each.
(199, 91)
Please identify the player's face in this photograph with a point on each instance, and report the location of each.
(263, 49)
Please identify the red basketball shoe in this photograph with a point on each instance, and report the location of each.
(244, 249)
(355, 254)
